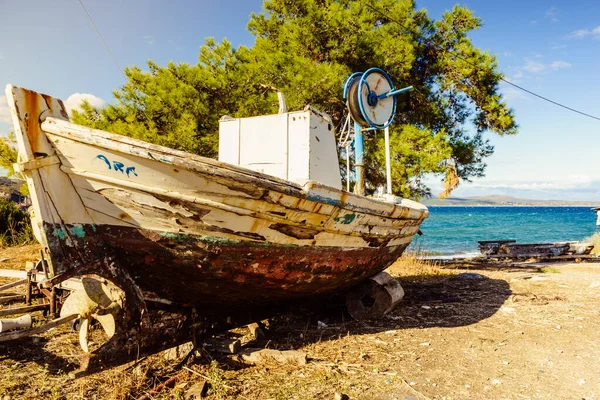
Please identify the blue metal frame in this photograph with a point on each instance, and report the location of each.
(362, 81)
(372, 98)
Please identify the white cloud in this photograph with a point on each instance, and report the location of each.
(552, 14)
(74, 101)
(582, 33)
(511, 94)
(534, 67)
(560, 65)
(4, 111)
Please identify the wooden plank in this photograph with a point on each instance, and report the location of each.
(8, 299)
(21, 310)
(13, 273)
(260, 356)
(13, 284)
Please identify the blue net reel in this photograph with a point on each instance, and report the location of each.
(371, 98)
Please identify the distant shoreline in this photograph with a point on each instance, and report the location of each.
(514, 205)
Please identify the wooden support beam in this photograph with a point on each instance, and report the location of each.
(13, 284)
(259, 356)
(8, 299)
(21, 310)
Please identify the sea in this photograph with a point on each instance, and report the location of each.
(453, 231)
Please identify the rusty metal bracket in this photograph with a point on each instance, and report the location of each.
(36, 163)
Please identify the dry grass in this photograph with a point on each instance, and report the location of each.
(411, 267)
(595, 240)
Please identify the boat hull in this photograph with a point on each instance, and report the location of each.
(215, 274)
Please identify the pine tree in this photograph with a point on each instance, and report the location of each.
(306, 49)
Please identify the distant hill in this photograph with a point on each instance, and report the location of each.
(9, 189)
(498, 200)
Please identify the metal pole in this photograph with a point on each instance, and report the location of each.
(359, 186)
(348, 167)
(388, 166)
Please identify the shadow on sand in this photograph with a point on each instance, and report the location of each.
(460, 300)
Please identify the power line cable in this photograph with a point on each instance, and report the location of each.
(476, 66)
(137, 98)
(102, 39)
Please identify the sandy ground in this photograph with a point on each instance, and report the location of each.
(526, 332)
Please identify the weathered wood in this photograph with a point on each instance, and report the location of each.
(13, 273)
(21, 310)
(510, 250)
(13, 284)
(374, 298)
(39, 329)
(261, 356)
(9, 299)
(178, 352)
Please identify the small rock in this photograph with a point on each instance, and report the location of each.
(7, 397)
(558, 326)
(594, 284)
(321, 325)
(505, 362)
(425, 344)
(426, 307)
(581, 382)
(467, 386)
(507, 309)
(340, 396)
(496, 381)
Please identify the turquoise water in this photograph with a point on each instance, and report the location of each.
(456, 230)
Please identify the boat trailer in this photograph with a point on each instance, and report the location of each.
(93, 301)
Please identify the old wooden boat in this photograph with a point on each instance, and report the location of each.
(165, 240)
(511, 249)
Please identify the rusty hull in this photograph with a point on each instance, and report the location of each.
(180, 286)
(211, 273)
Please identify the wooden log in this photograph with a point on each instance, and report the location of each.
(374, 298)
(260, 356)
(177, 353)
(42, 328)
(13, 284)
(21, 310)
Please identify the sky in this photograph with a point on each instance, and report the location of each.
(549, 47)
